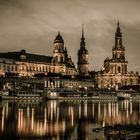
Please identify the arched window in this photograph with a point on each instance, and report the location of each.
(118, 55)
(61, 59)
(119, 69)
(56, 59)
(30, 67)
(12, 68)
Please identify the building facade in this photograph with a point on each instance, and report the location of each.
(115, 73)
(25, 64)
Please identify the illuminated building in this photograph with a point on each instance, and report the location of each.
(115, 73)
(30, 65)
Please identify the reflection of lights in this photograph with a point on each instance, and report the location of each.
(30, 123)
(104, 110)
(57, 114)
(127, 113)
(32, 119)
(122, 105)
(45, 118)
(139, 107)
(7, 108)
(28, 112)
(131, 108)
(126, 104)
(69, 109)
(20, 119)
(117, 110)
(53, 109)
(103, 123)
(113, 104)
(3, 116)
(79, 111)
(93, 110)
(109, 109)
(39, 128)
(99, 110)
(72, 116)
(85, 109)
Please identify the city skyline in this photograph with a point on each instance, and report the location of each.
(33, 25)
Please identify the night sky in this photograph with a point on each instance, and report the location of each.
(33, 25)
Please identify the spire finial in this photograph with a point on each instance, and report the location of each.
(58, 32)
(118, 27)
(82, 30)
(118, 24)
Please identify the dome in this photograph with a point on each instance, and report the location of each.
(58, 39)
(22, 52)
(83, 51)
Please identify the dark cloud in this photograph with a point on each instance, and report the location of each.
(33, 25)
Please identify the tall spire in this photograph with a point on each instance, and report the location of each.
(118, 23)
(118, 35)
(82, 38)
(118, 30)
(83, 31)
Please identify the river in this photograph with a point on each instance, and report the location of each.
(65, 120)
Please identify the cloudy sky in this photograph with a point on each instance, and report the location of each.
(33, 24)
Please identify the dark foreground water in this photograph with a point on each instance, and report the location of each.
(69, 120)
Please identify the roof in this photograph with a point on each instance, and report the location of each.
(69, 63)
(58, 38)
(83, 51)
(29, 57)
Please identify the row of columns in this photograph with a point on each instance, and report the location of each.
(51, 84)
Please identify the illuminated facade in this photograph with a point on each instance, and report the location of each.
(28, 65)
(7, 65)
(115, 72)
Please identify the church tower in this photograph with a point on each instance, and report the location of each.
(83, 64)
(115, 74)
(118, 49)
(59, 51)
(118, 52)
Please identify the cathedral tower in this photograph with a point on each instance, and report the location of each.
(115, 74)
(83, 64)
(118, 53)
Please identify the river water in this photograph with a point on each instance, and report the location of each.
(66, 120)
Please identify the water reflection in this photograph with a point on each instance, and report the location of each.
(58, 120)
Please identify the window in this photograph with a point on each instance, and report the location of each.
(30, 68)
(61, 59)
(12, 68)
(4, 67)
(119, 69)
(15, 68)
(22, 67)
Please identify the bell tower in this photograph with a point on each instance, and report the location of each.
(118, 53)
(83, 64)
(59, 50)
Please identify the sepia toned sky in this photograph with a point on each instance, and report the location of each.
(33, 25)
